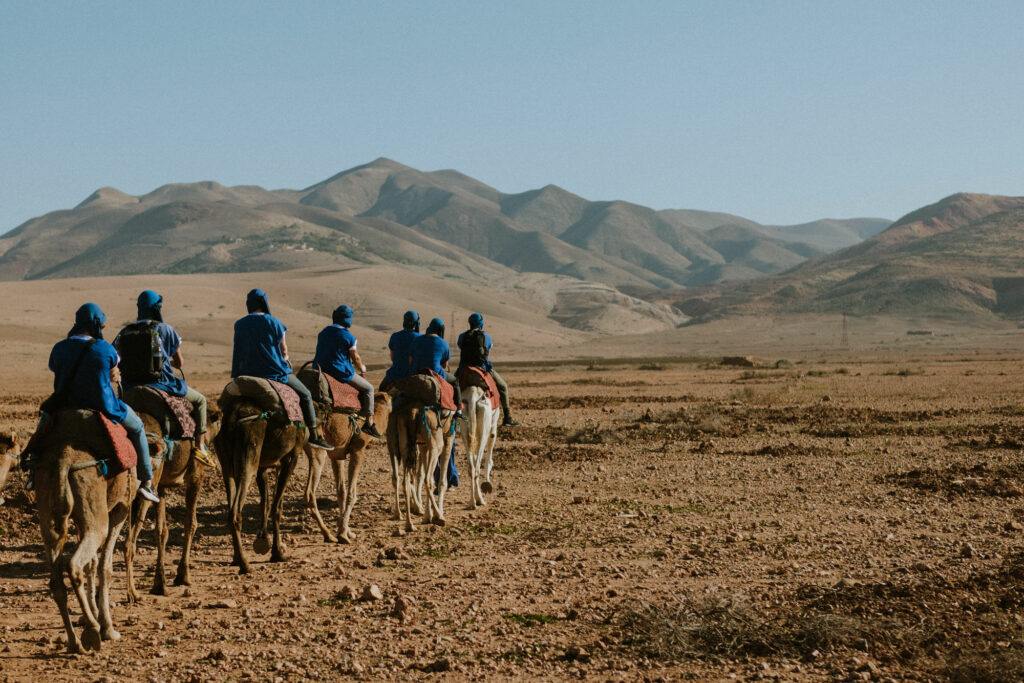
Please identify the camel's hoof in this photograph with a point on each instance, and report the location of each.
(486, 487)
(243, 569)
(182, 580)
(110, 634)
(278, 557)
(396, 517)
(75, 647)
(439, 521)
(331, 538)
(91, 639)
(159, 589)
(261, 546)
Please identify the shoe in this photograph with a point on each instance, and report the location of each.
(371, 429)
(147, 492)
(320, 443)
(509, 422)
(459, 415)
(30, 483)
(204, 456)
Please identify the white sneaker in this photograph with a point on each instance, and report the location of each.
(147, 492)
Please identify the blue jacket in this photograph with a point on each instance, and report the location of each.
(90, 387)
(332, 348)
(257, 349)
(400, 345)
(429, 351)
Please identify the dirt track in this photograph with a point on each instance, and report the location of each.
(811, 522)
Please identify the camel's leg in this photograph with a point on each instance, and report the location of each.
(159, 582)
(248, 472)
(231, 490)
(431, 455)
(192, 485)
(347, 484)
(263, 486)
(139, 509)
(92, 575)
(407, 481)
(83, 561)
(492, 438)
(396, 475)
(106, 571)
(55, 533)
(317, 459)
(285, 473)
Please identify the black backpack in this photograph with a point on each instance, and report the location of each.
(142, 358)
(474, 348)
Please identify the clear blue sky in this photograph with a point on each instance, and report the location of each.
(780, 111)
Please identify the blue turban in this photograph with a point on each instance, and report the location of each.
(436, 326)
(256, 302)
(342, 316)
(89, 319)
(149, 303)
(476, 322)
(411, 321)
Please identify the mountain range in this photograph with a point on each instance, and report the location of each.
(387, 213)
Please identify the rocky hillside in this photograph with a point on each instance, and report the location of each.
(387, 213)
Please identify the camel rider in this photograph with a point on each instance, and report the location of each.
(260, 351)
(399, 344)
(336, 355)
(475, 350)
(91, 385)
(134, 345)
(430, 351)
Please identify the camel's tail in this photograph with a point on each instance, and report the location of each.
(65, 498)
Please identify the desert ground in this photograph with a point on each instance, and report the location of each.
(808, 519)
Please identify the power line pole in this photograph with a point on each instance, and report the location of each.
(844, 339)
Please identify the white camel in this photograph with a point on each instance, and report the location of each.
(480, 432)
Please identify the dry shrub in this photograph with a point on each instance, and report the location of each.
(592, 435)
(994, 665)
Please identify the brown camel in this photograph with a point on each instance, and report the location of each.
(420, 439)
(182, 468)
(69, 484)
(8, 457)
(249, 444)
(338, 430)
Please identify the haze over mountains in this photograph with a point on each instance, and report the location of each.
(384, 212)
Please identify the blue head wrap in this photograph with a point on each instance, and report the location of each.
(89, 319)
(436, 326)
(411, 321)
(342, 316)
(476, 322)
(256, 301)
(149, 303)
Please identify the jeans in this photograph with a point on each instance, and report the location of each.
(365, 390)
(502, 392)
(305, 398)
(198, 402)
(132, 424)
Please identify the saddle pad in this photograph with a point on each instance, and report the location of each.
(345, 396)
(289, 399)
(447, 391)
(181, 409)
(472, 376)
(125, 456)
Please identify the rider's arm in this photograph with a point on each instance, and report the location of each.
(284, 348)
(357, 362)
(177, 360)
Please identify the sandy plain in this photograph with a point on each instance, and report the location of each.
(847, 514)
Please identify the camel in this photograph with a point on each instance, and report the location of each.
(250, 444)
(480, 433)
(8, 458)
(68, 483)
(419, 439)
(338, 430)
(182, 468)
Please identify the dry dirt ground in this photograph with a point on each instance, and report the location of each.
(815, 521)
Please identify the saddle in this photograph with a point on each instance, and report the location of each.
(328, 391)
(173, 412)
(472, 376)
(428, 388)
(270, 396)
(122, 455)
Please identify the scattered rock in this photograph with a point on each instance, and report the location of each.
(968, 550)
(372, 593)
(347, 593)
(439, 666)
(576, 654)
(402, 609)
(222, 604)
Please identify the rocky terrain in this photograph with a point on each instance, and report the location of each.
(842, 520)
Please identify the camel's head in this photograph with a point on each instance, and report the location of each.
(8, 455)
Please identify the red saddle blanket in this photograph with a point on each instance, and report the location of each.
(181, 409)
(125, 456)
(345, 396)
(289, 399)
(446, 390)
(480, 376)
